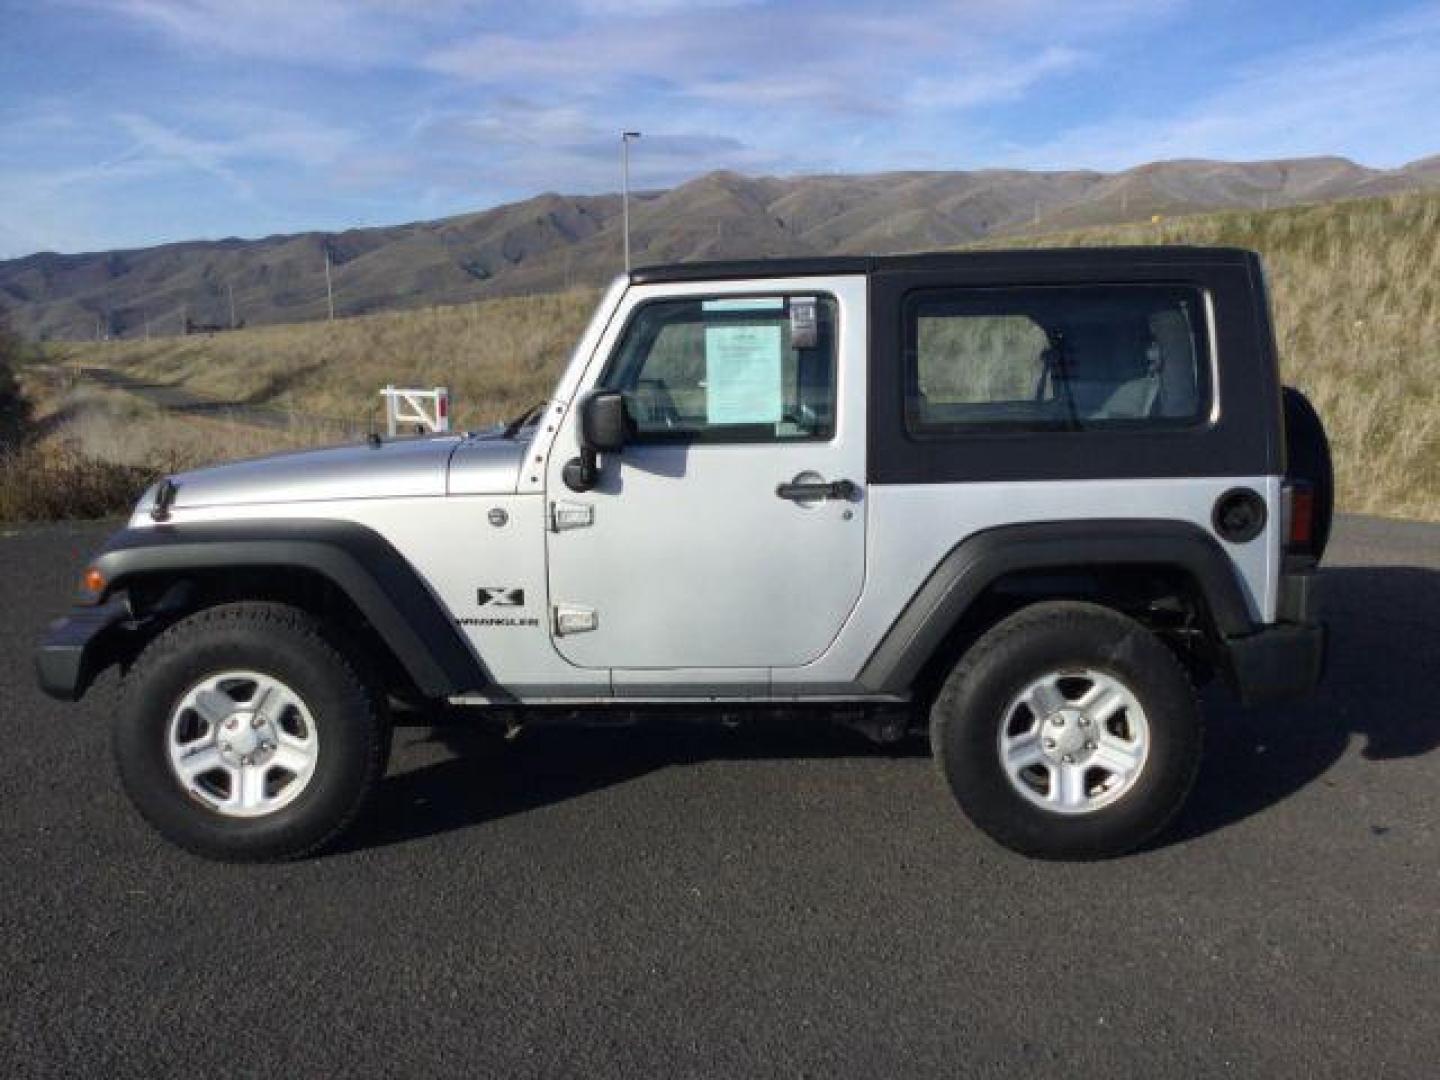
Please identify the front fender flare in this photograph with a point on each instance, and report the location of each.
(357, 560)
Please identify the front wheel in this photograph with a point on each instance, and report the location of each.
(244, 734)
(1069, 731)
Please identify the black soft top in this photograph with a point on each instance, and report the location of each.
(1099, 258)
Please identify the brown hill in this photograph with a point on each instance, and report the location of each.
(554, 241)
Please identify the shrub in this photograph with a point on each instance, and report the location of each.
(12, 406)
(53, 482)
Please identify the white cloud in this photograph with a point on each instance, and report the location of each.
(522, 122)
(989, 80)
(635, 9)
(325, 33)
(525, 146)
(245, 137)
(1372, 92)
(286, 136)
(166, 145)
(837, 59)
(781, 89)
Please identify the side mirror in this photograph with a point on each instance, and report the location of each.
(601, 428)
(603, 421)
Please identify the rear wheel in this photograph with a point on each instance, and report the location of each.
(1068, 731)
(245, 734)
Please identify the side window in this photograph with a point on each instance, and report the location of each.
(1062, 358)
(729, 369)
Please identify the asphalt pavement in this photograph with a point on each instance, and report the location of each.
(776, 900)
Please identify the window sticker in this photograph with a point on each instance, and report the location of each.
(745, 303)
(742, 374)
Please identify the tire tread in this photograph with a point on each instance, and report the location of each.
(280, 620)
(1048, 617)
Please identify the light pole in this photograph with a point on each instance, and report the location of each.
(329, 289)
(625, 138)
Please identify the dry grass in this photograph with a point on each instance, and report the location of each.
(1357, 310)
(497, 357)
(52, 482)
(43, 482)
(115, 426)
(89, 452)
(1357, 303)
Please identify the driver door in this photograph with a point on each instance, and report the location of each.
(711, 543)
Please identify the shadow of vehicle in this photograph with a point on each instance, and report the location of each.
(483, 778)
(1384, 638)
(1384, 627)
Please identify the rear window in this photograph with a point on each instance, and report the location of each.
(1055, 358)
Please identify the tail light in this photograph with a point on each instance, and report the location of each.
(1299, 515)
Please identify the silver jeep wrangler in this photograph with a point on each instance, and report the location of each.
(1030, 500)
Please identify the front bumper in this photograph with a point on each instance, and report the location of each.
(1285, 659)
(78, 647)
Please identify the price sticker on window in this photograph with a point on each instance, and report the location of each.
(742, 374)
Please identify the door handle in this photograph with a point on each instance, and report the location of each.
(840, 490)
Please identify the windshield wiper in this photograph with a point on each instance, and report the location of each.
(519, 422)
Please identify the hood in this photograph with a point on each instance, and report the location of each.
(488, 463)
(395, 468)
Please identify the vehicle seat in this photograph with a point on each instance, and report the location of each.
(1110, 373)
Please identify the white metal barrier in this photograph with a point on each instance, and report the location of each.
(429, 409)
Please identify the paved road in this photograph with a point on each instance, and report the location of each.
(785, 901)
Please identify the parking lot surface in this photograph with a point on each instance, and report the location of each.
(768, 900)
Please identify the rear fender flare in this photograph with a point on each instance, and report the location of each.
(980, 560)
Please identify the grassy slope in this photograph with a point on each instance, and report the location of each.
(497, 357)
(1357, 300)
(1357, 310)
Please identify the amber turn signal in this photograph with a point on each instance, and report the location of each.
(93, 582)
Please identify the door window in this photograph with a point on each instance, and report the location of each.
(729, 369)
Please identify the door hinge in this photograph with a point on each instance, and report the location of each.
(571, 515)
(573, 619)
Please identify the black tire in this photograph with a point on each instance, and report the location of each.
(1063, 636)
(287, 644)
(1307, 457)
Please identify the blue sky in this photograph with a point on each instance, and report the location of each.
(130, 122)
